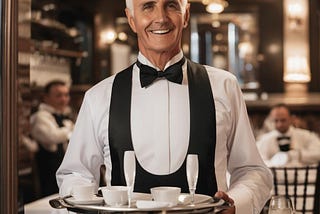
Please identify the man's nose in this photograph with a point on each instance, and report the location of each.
(161, 14)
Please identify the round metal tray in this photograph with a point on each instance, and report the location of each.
(205, 204)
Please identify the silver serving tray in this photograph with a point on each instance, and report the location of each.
(204, 206)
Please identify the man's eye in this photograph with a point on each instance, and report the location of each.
(147, 6)
(173, 5)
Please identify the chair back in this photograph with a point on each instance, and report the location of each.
(301, 184)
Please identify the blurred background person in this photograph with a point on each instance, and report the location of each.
(51, 127)
(286, 144)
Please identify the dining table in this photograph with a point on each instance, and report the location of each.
(42, 206)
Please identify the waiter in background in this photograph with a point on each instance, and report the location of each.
(51, 127)
(286, 144)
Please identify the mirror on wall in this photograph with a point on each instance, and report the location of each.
(228, 41)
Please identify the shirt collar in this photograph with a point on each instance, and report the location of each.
(46, 107)
(287, 133)
(173, 60)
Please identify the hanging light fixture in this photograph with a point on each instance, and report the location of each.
(215, 6)
(297, 70)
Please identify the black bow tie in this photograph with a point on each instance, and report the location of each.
(284, 146)
(59, 118)
(148, 74)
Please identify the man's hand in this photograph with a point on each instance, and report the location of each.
(224, 196)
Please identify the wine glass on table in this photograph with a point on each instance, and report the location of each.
(192, 174)
(129, 164)
(280, 204)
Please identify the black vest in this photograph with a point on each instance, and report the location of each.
(201, 141)
(59, 120)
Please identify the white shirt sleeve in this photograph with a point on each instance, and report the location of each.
(82, 161)
(268, 146)
(45, 130)
(89, 146)
(250, 179)
(308, 143)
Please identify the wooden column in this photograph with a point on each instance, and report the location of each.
(8, 120)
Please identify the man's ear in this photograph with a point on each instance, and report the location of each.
(130, 20)
(186, 16)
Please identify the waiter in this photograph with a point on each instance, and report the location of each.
(164, 107)
(51, 127)
(286, 144)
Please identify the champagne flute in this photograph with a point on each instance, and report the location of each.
(129, 164)
(192, 174)
(280, 205)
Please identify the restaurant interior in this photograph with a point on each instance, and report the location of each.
(271, 46)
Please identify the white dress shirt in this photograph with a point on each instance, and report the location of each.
(160, 118)
(303, 142)
(46, 131)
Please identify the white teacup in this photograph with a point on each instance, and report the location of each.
(166, 194)
(84, 192)
(115, 195)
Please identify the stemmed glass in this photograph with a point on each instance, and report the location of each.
(192, 174)
(129, 164)
(280, 205)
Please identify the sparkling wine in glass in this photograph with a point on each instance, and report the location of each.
(129, 164)
(192, 174)
(280, 205)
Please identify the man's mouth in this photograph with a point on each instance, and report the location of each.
(164, 31)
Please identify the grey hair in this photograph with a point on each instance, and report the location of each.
(129, 5)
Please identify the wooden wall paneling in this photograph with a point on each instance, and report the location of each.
(8, 144)
(314, 28)
(271, 46)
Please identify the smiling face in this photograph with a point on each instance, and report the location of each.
(58, 97)
(159, 25)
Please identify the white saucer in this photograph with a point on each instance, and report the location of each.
(147, 204)
(94, 200)
(185, 198)
(144, 200)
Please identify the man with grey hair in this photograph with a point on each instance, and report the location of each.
(165, 107)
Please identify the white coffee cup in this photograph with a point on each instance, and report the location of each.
(115, 195)
(166, 194)
(83, 192)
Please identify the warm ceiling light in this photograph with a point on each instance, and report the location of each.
(297, 70)
(215, 6)
(216, 24)
(48, 7)
(122, 36)
(108, 36)
(295, 11)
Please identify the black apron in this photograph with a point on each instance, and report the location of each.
(48, 163)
